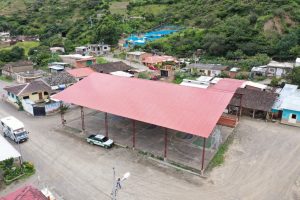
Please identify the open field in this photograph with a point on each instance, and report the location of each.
(25, 45)
(119, 7)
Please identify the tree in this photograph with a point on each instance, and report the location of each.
(214, 44)
(108, 31)
(294, 77)
(62, 110)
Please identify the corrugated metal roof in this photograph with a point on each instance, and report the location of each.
(227, 84)
(25, 193)
(7, 150)
(286, 91)
(292, 102)
(191, 110)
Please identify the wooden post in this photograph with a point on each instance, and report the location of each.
(106, 125)
(82, 118)
(203, 154)
(133, 134)
(253, 114)
(166, 144)
(240, 107)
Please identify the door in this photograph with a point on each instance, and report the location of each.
(293, 118)
(40, 96)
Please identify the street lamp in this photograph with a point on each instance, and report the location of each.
(117, 183)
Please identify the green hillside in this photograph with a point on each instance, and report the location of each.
(222, 29)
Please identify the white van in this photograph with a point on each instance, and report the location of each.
(14, 129)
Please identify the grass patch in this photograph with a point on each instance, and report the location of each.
(219, 157)
(6, 78)
(101, 60)
(25, 45)
(151, 9)
(119, 7)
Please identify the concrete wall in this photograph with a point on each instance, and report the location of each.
(35, 97)
(51, 107)
(27, 107)
(287, 117)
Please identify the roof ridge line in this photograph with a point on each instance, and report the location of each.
(23, 89)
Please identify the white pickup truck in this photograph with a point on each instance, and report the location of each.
(14, 129)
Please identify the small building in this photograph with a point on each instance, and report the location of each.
(36, 91)
(259, 71)
(11, 69)
(208, 69)
(26, 77)
(77, 60)
(56, 69)
(98, 49)
(150, 61)
(107, 68)
(93, 49)
(286, 106)
(291, 109)
(254, 103)
(137, 56)
(57, 50)
(80, 73)
(82, 50)
(279, 69)
(59, 81)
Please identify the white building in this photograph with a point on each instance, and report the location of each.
(279, 69)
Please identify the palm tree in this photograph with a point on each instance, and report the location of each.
(63, 109)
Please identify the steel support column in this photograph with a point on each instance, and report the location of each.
(106, 125)
(82, 118)
(166, 143)
(133, 134)
(203, 154)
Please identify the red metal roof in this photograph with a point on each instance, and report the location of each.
(25, 193)
(80, 72)
(191, 110)
(227, 84)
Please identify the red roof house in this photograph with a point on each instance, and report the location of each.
(25, 193)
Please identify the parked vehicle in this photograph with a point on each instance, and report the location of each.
(100, 140)
(14, 129)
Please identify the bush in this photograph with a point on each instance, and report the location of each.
(275, 82)
(14, 172)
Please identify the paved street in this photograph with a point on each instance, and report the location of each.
(262, 163)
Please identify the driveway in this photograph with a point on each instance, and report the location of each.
(262, 163)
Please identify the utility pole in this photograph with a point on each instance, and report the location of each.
(117, 183)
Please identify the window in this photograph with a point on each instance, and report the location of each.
(45, 93)
(105, 48)
(26, 97)
(34, 93)
(294, 116)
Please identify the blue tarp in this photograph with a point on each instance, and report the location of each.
(134, 40)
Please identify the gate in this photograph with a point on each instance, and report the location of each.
(39, 111)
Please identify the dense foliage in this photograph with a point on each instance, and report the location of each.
(233, 31)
